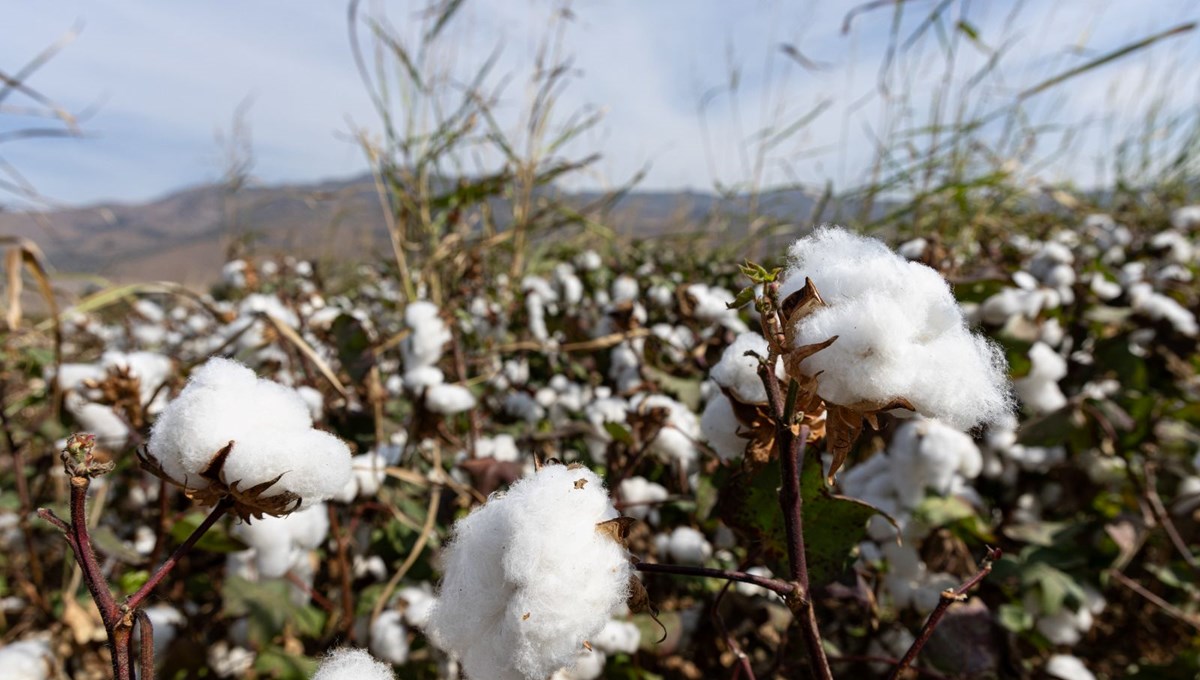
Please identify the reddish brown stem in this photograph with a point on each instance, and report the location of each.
(791, 446)
(780, 587)
(343, 565)
(93, 577)
(146, 657)
(949, 597)
(217, 513)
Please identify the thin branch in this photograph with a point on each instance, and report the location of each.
(1167, 607)
(217, 513)
(146, 657)
(949, 597)
(782, 588)
(1164, 518)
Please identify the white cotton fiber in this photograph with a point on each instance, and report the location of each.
(900, 333)
(419, 604)
(738, 373)
(1039, 389)
(719, 427)
(685, 545)
(370, 469)
(618, 636)
(449, 399)
(528, 578)
(428, 335)
(352, 664)
(270, 427)
(1067, 667)
(389, 638)
(711, 306)
(1158, 306)
(27, 660)
(280, 543)
(676, 440)
(641, 497)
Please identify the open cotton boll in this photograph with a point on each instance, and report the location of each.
(587, 666)
(280, 543)
(640, 498)
(1039, 389)
(449, 399)
(751, 590)
(685, 545)
(419, 604)
(1067, 667)
(270, 427)
(27, 660)
(588, 261)
(150, 368)
(618, 637)
(676, 440)
(370, 469)
(624, 288)
(528, 578)
(900, 333)
(389, 638)
(423, 376)
(738, 373)
(352, 664)
(719, 427)
(502, 447)
(429, 334)
(110, 429)
(1158, 306)
(927, 454)
(712, 306)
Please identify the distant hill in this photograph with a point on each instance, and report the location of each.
(184, 236)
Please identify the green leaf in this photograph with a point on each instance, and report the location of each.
(1055, 588)
(107, 542)
(217, 539)
(686, 390)
(268, 606)
(833, 525)
(744, 297)
(619, 433)
(275, 662)
(1015, 618)
(129, 581)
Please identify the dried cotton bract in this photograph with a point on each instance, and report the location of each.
(529, 577)
(229, 432)
(900, 333)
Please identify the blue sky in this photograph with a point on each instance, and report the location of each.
(168, 75)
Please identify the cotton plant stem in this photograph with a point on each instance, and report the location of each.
(1164, 518)
(146, 655)
(782, 588)
(343, 565)
(142, 593)
(791, 445)
(949, 597)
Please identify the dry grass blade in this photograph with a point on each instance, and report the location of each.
(290, 334)
(12, 264)
(435, 498)
(1106, 58)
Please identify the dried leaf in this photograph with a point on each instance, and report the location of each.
(639, 603)
(617, 529)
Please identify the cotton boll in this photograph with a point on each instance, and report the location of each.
(587, 666)
(270, 427)
(1039, 389)
(449, 399)
(711, 306)
(1061, 628)
(513, 563)
(370, 469)
(1103, 288)
(676, 440)
(502, 447)
(900, 333)
(110, 429)
(389, 638)
(279, 543)
(618, 637)
(719, 427)
(428, 336)
(588, 261)
(1067, 667)
(1179, 247)
(1159, 306)
(352, 664)
(624, 288)
(569, 284)
(686, 545)
(421, 377)
(314, 400)
(524, 406)
(661, 296)
(738, 373)
(641, 497)
(27, 660)
(419, 604)
(913, 250)
(751, 590)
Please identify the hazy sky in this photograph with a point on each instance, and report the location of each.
(167, 76)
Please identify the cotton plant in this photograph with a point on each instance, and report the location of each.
(241, 444)
(352, 664)
(514, 562)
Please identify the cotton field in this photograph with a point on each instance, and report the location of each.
(583, 472)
